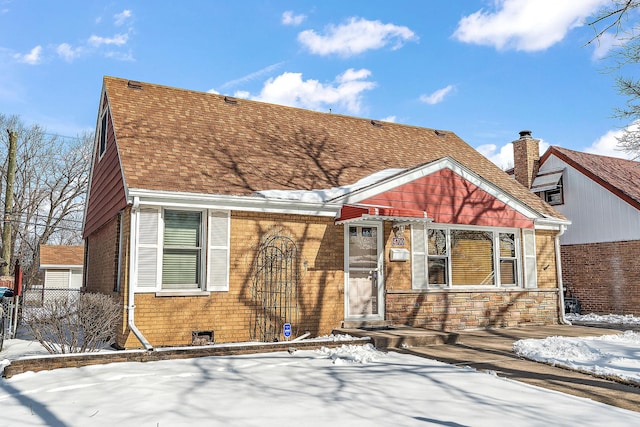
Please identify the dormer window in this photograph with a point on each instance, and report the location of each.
(103, 134)
(549, 187)
(554, 196)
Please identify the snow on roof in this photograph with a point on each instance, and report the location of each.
(324, 195)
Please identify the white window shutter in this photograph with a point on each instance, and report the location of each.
(218, 256)
(418, 257)
(530, 270)
(148, 249)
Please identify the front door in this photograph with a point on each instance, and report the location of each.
(364, 290)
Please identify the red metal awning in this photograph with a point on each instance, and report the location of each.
(352, 213)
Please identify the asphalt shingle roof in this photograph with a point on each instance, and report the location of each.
(187, 141)
(61, 255)
(620, 176)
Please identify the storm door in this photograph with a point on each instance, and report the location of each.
(364, 287)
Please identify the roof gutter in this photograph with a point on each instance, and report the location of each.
(133, 275)
(563, 319)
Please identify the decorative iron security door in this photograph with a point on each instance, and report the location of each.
(274, 290)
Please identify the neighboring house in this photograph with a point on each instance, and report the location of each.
(601, 197)
(219, 219)
(61, 266)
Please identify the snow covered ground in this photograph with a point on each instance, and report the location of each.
(350, 385)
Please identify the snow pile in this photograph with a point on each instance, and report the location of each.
(623, 319)
(352, 354)
(324, 195)
(612, 356)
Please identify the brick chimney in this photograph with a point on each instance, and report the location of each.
(526, 157)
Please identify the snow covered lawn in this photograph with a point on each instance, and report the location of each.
(350, 385)
(615, 356)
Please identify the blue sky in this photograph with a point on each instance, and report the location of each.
(485, 69)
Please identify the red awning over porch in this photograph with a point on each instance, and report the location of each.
(350, 213)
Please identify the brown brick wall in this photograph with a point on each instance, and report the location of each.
(168, 321)
(546, 259)
(171, 320)
(604, 276)
(102, 258)
(453, 310)
(525, 158)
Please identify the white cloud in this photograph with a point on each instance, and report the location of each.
(288, 18)
(242, 94)
(355, 36)
(390, 119)
(120, 56)
(607, 144)
(117, 40)
(122, 17)
(503, 156)
(605, 43)
(526, 25)
(252, 76)
(34, 56)
(345, 92)
(437, 96)
(68, 52)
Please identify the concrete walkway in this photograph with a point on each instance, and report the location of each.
(491, 350)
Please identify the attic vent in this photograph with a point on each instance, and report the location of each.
(376, 123)
(229, 100)
(440, 133)
(132, 84)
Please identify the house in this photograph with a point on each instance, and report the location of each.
(601, 197)
(61, 266)
(216, 219)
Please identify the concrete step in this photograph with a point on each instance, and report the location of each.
(400, 336)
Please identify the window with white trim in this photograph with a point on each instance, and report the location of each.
(457, 256)
(182, 249)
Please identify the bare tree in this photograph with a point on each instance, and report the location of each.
(52, 174)
(620, 19)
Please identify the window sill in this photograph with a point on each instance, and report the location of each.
(178, 293)
(469, 290)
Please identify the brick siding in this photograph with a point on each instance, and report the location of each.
(168, 321)
(605, 277)
(171, 320)
(458, 310)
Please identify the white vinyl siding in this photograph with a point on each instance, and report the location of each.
(76, 279)
(596, 214)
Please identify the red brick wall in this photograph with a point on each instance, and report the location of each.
(604, 276)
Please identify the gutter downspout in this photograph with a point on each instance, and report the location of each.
(563, 319)
(133, 274)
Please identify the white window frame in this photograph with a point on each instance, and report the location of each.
(214, 252)
(201, 274)
(419, 251)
